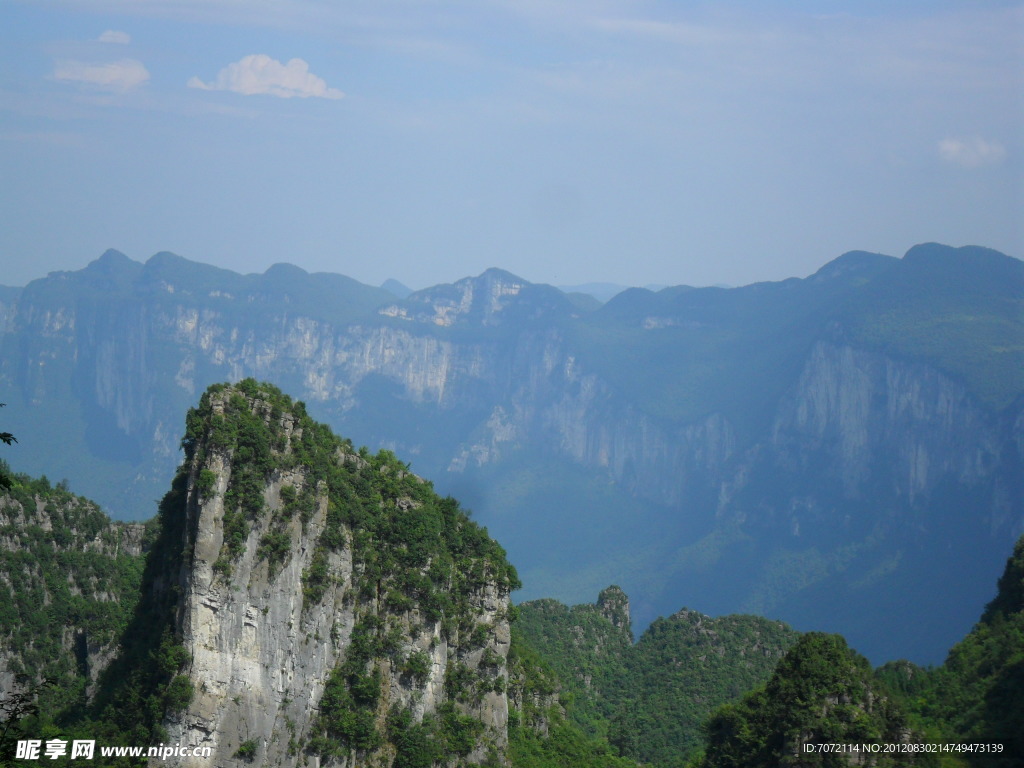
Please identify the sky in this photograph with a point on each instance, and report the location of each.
(566, 141)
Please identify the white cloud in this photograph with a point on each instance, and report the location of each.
(971, 153)
(258, 73)
(114, 36)
(120, 75)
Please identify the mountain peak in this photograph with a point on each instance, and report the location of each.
(163, 258)
(396, 288)
(855, 265)
(110, 261)
(259, 478)
(286, 271)
(494, 297)
(614, 606)
(111, 270)
(164, 265)
(112, 255)
(500, 275)
(937, 253)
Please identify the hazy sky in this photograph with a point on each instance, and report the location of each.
(587, 140)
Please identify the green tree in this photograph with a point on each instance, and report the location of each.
(821, 692)
(15, 706)
(8, 439)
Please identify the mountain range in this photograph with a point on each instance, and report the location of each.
(844, 452)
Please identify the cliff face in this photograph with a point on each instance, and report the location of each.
(867, 421)
(859, 430)
(326, 596)
(864, 411)
(848, 409)
(523, 384)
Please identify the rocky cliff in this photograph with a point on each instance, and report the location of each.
(295, 602)
(328, 598)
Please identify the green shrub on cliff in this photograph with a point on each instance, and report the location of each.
(820, 693)
(650, 700)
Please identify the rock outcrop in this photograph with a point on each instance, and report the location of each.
(326, 595)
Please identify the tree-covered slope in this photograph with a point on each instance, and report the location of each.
(682, 668)
(821, 693)
(542, 732)
(650, 699)
(587, 646)
(967, 712)
(69, 584)
(979, 691)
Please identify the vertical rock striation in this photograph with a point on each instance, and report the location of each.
(327, 596)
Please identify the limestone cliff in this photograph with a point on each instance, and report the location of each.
(491, 357)
(328, 597)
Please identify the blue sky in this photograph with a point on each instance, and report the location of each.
(588, 140)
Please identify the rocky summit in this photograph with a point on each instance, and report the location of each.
(302, 603)
(324, 593)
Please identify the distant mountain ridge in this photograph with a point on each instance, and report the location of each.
(818, 440)
(603, 292)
